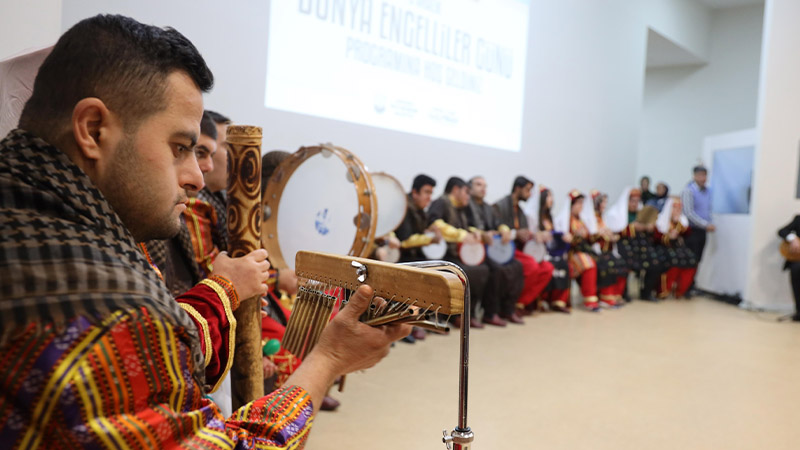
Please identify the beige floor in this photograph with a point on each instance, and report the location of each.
(673, 375)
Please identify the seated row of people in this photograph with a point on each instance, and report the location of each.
(588, 242)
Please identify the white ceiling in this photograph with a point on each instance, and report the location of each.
(730, 3)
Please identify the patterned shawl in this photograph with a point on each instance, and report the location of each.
(64, 252)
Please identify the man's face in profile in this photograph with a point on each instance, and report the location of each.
(151, 169)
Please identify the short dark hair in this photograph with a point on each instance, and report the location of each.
(218, 118)
(520, 182)
(421, 181)
(207, 126)
(697, 169)
(454, 182)
(472, 180)
(121, 61)
(644, 178)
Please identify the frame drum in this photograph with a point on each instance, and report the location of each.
(535, 249)
(318, 199)
(472, 254)
(499, 252)
(434, 250)
(392, 203)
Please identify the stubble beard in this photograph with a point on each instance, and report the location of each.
(127, 192)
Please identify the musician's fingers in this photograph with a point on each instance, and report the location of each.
(259, 254)
(359, 302)
(397, 331)
(378, 302)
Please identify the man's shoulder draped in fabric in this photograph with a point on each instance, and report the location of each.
(101, 354)
(63, 250)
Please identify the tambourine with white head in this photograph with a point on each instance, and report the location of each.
(471, 254)
(434, 250)
(500, 252)
(318, 199)
(392, 202)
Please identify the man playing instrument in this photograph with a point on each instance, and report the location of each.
(537, 274)
(101, 354)
(506, 279)
(414, 232)
(448, 215)
(789, 234)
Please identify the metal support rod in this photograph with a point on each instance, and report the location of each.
(462, 436)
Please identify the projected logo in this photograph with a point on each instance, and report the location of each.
(322, 222)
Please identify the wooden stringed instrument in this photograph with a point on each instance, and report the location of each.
(419, 294)
(413, 295)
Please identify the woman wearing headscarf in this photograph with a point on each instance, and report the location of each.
(680, 261)
(549, 245)
(636, 244)
(662, 193)
(612, 273)
(582, 266)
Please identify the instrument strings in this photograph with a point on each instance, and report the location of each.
(317, 300)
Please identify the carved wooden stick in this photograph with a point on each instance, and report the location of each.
(244, 230)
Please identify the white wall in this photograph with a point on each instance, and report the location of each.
(28, 24)
(582, 101)
(776, 164)
(683, 105)
(684, 22)
(583, 96)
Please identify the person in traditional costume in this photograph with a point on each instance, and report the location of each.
(100, 354)
(548, 245)
(612, 273)
(582, 266)
(413, 231)
(507, 278)
(636, 244)
(680, 264)
(448, 214)
(537, 274)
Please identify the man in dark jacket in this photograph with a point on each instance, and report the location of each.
(790, 233)
(537, 274)
(506, 279)
(448, 214)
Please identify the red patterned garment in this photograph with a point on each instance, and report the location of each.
(201, 220)
(95, 351)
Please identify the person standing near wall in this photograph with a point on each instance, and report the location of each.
(696, 199)
(644, 184)
(790, 234)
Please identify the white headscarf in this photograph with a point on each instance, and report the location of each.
(616, 217)
(665, 217)
(562, 221)
(587, 214)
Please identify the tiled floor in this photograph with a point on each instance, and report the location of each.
(672, 375)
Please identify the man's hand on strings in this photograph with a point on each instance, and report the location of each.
(350, 345)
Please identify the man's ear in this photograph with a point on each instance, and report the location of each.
(91, 127)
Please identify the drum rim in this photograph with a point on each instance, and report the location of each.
(476, 245)
(405, 199)
(277, 182)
